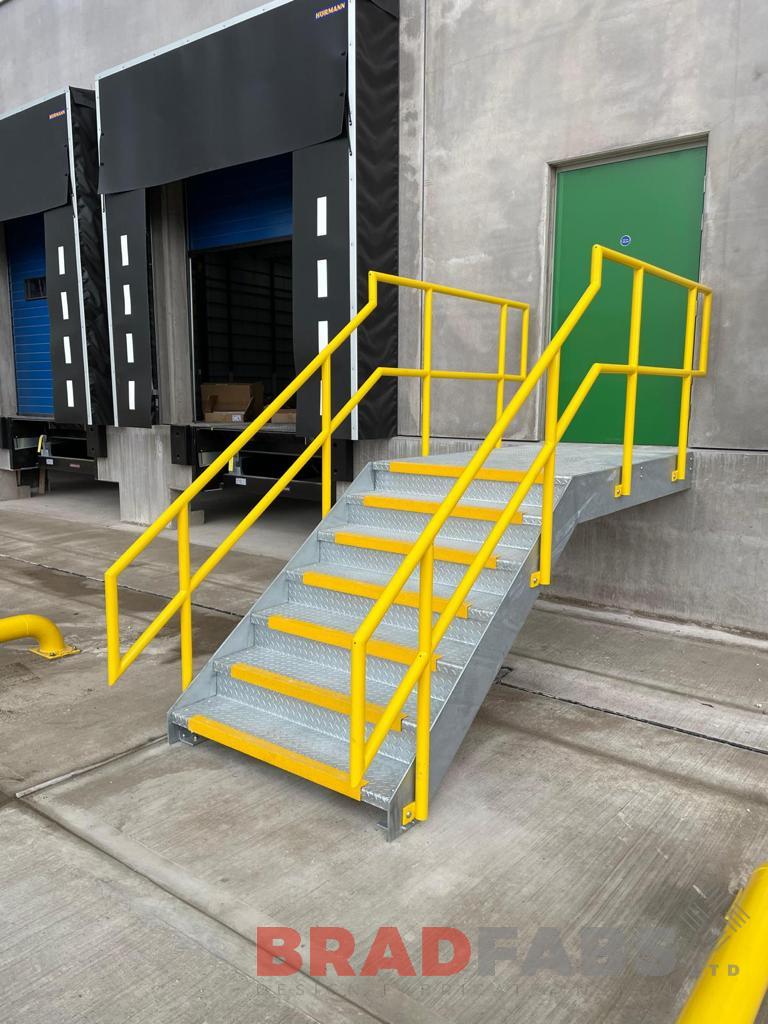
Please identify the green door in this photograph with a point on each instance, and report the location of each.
(649, 207)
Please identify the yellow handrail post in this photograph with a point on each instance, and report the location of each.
(686, 384)
(734, 981)
(185, 611)
(426, 384)
(526, 318)
(544, 575)
(424, 696)
(706, 320)
(357, 712)
(624, 487)
(327, 454)
(113, 625)
(503, 321)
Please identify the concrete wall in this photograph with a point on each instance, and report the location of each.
(167, 219)
(512, 89)
(495, 94)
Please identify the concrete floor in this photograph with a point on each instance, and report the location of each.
(280, 531)
(614, 779)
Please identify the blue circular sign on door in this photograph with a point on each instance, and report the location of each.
(625, 239)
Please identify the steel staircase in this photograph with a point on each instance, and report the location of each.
(364, 663)
(278, 688)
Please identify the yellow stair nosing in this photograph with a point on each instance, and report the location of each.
(372, 591)
(340, 638)
(507, 476)
(281, 757)
(311, 693)
(401, 547)
(480, 513)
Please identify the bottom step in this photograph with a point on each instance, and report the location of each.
(293, 746)
(280, 757)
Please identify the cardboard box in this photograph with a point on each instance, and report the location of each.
(284, 416)
(231, 403)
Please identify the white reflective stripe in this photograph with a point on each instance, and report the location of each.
(129, 348)
(132, 394)
(62, 265)
(70, 394)
(64, 306)
(127, 299)
(67, 350)
(322, 216)
(322, 334)
(322, 279)
(124, 249)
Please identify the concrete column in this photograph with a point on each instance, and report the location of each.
(140, 462)
(7, 365)
(171, 291)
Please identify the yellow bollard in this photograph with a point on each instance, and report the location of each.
(732, 986)
(51, 642)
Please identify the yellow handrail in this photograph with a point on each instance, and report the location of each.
(362, 752)
(421, 556)
(118, 663)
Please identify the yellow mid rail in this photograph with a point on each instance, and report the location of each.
(421, 556)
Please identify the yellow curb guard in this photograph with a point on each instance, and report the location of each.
(48, 635)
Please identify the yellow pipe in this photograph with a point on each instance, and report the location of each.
(502, 346)
(686, 384)
(423, 699)
(630, 403)
(524, 342)
(407, 566)
(116, 664)
(325, 407)
(426, 384)
(734, 981)
(544, 575)
(185, 612)
(51, 643)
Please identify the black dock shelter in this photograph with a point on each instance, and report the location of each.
(283, 126)
(57, 327)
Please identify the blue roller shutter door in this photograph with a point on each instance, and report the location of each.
(25, 246)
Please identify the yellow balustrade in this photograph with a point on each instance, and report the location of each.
(422, 554)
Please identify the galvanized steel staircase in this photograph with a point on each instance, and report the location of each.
(278, 689)
(364, 663)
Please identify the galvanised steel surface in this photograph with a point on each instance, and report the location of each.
(471, 653)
